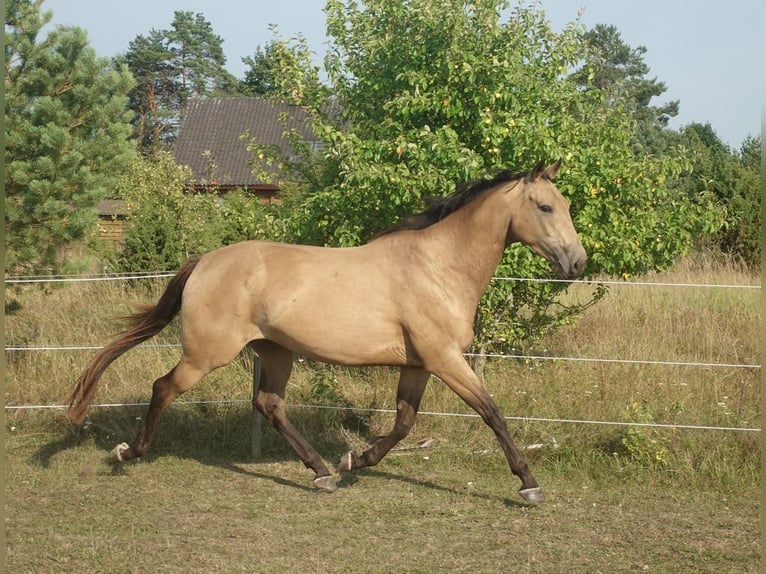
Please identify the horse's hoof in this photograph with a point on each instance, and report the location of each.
(117, 454)
(532, 495)
(325, 483)
(346, 463)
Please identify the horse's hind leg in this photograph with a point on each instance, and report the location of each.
(276, 366)
(412, 384)
(164, 391)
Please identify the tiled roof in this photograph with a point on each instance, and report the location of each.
(210, 134)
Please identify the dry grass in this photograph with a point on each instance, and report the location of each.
(656, 499)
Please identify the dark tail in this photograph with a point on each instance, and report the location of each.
(145, 324)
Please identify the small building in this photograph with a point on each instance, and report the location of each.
(111, 221)
(210, 140)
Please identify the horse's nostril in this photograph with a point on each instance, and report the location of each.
(578, 266)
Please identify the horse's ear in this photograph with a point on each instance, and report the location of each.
(537, 170)
(551, 171)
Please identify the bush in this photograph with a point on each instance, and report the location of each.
(167, 224)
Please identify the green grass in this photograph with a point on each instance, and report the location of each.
(618, 498)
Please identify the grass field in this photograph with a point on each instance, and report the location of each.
(619, 499)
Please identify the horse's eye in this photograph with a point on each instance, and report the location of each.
(545, 208)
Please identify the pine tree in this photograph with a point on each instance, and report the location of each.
(67, 136)
(170, 66)
(619, 72)
(154, 99)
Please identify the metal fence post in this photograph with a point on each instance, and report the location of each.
(256, 428)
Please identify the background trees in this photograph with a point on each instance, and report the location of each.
(282, 69)
(67, 135)
(167, 224)
(733, 178)
(170, 66)
(619, 72)
(418, 96)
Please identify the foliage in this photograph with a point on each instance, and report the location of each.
(153, 100)
(466, 93)
(159, 231)
(717, 172)
(743, 234)
(67, 136)
(324, 385)
(643, 444)
(733, 179)
(619, 72)
(168, 224)
(245, 217)
(283, 70)
(170, 66)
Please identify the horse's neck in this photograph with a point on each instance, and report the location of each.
(474, 239)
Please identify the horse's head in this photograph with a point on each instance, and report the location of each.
(542, 221)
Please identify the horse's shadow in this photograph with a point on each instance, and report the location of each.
(349, 479)
(222, 440)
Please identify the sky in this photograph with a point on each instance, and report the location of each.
(709, 53)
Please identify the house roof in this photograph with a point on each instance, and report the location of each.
(209, 137)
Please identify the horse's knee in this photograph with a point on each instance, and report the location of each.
(404, 422)
(269, 405)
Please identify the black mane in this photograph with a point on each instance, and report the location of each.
(441, 207)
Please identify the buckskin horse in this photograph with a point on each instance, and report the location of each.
(406, 298)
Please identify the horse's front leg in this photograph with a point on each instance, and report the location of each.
(459, 377)
(412, 383)
(277, 364)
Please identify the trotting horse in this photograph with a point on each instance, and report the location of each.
(407, 298)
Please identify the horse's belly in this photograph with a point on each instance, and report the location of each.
(343, 337)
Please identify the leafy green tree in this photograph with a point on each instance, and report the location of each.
(170, 66)
(165, 225)
(743, 234)
(620, 73)
(67, 136)
(198, 56)
(712, 161)
(260, 77)
(431, 93)
(154, 99)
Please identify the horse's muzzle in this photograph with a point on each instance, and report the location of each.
(570, 263)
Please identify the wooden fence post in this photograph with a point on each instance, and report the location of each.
(256, 429)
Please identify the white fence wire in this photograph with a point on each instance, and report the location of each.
(486, 355)
(19, 280)
(82, 278)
